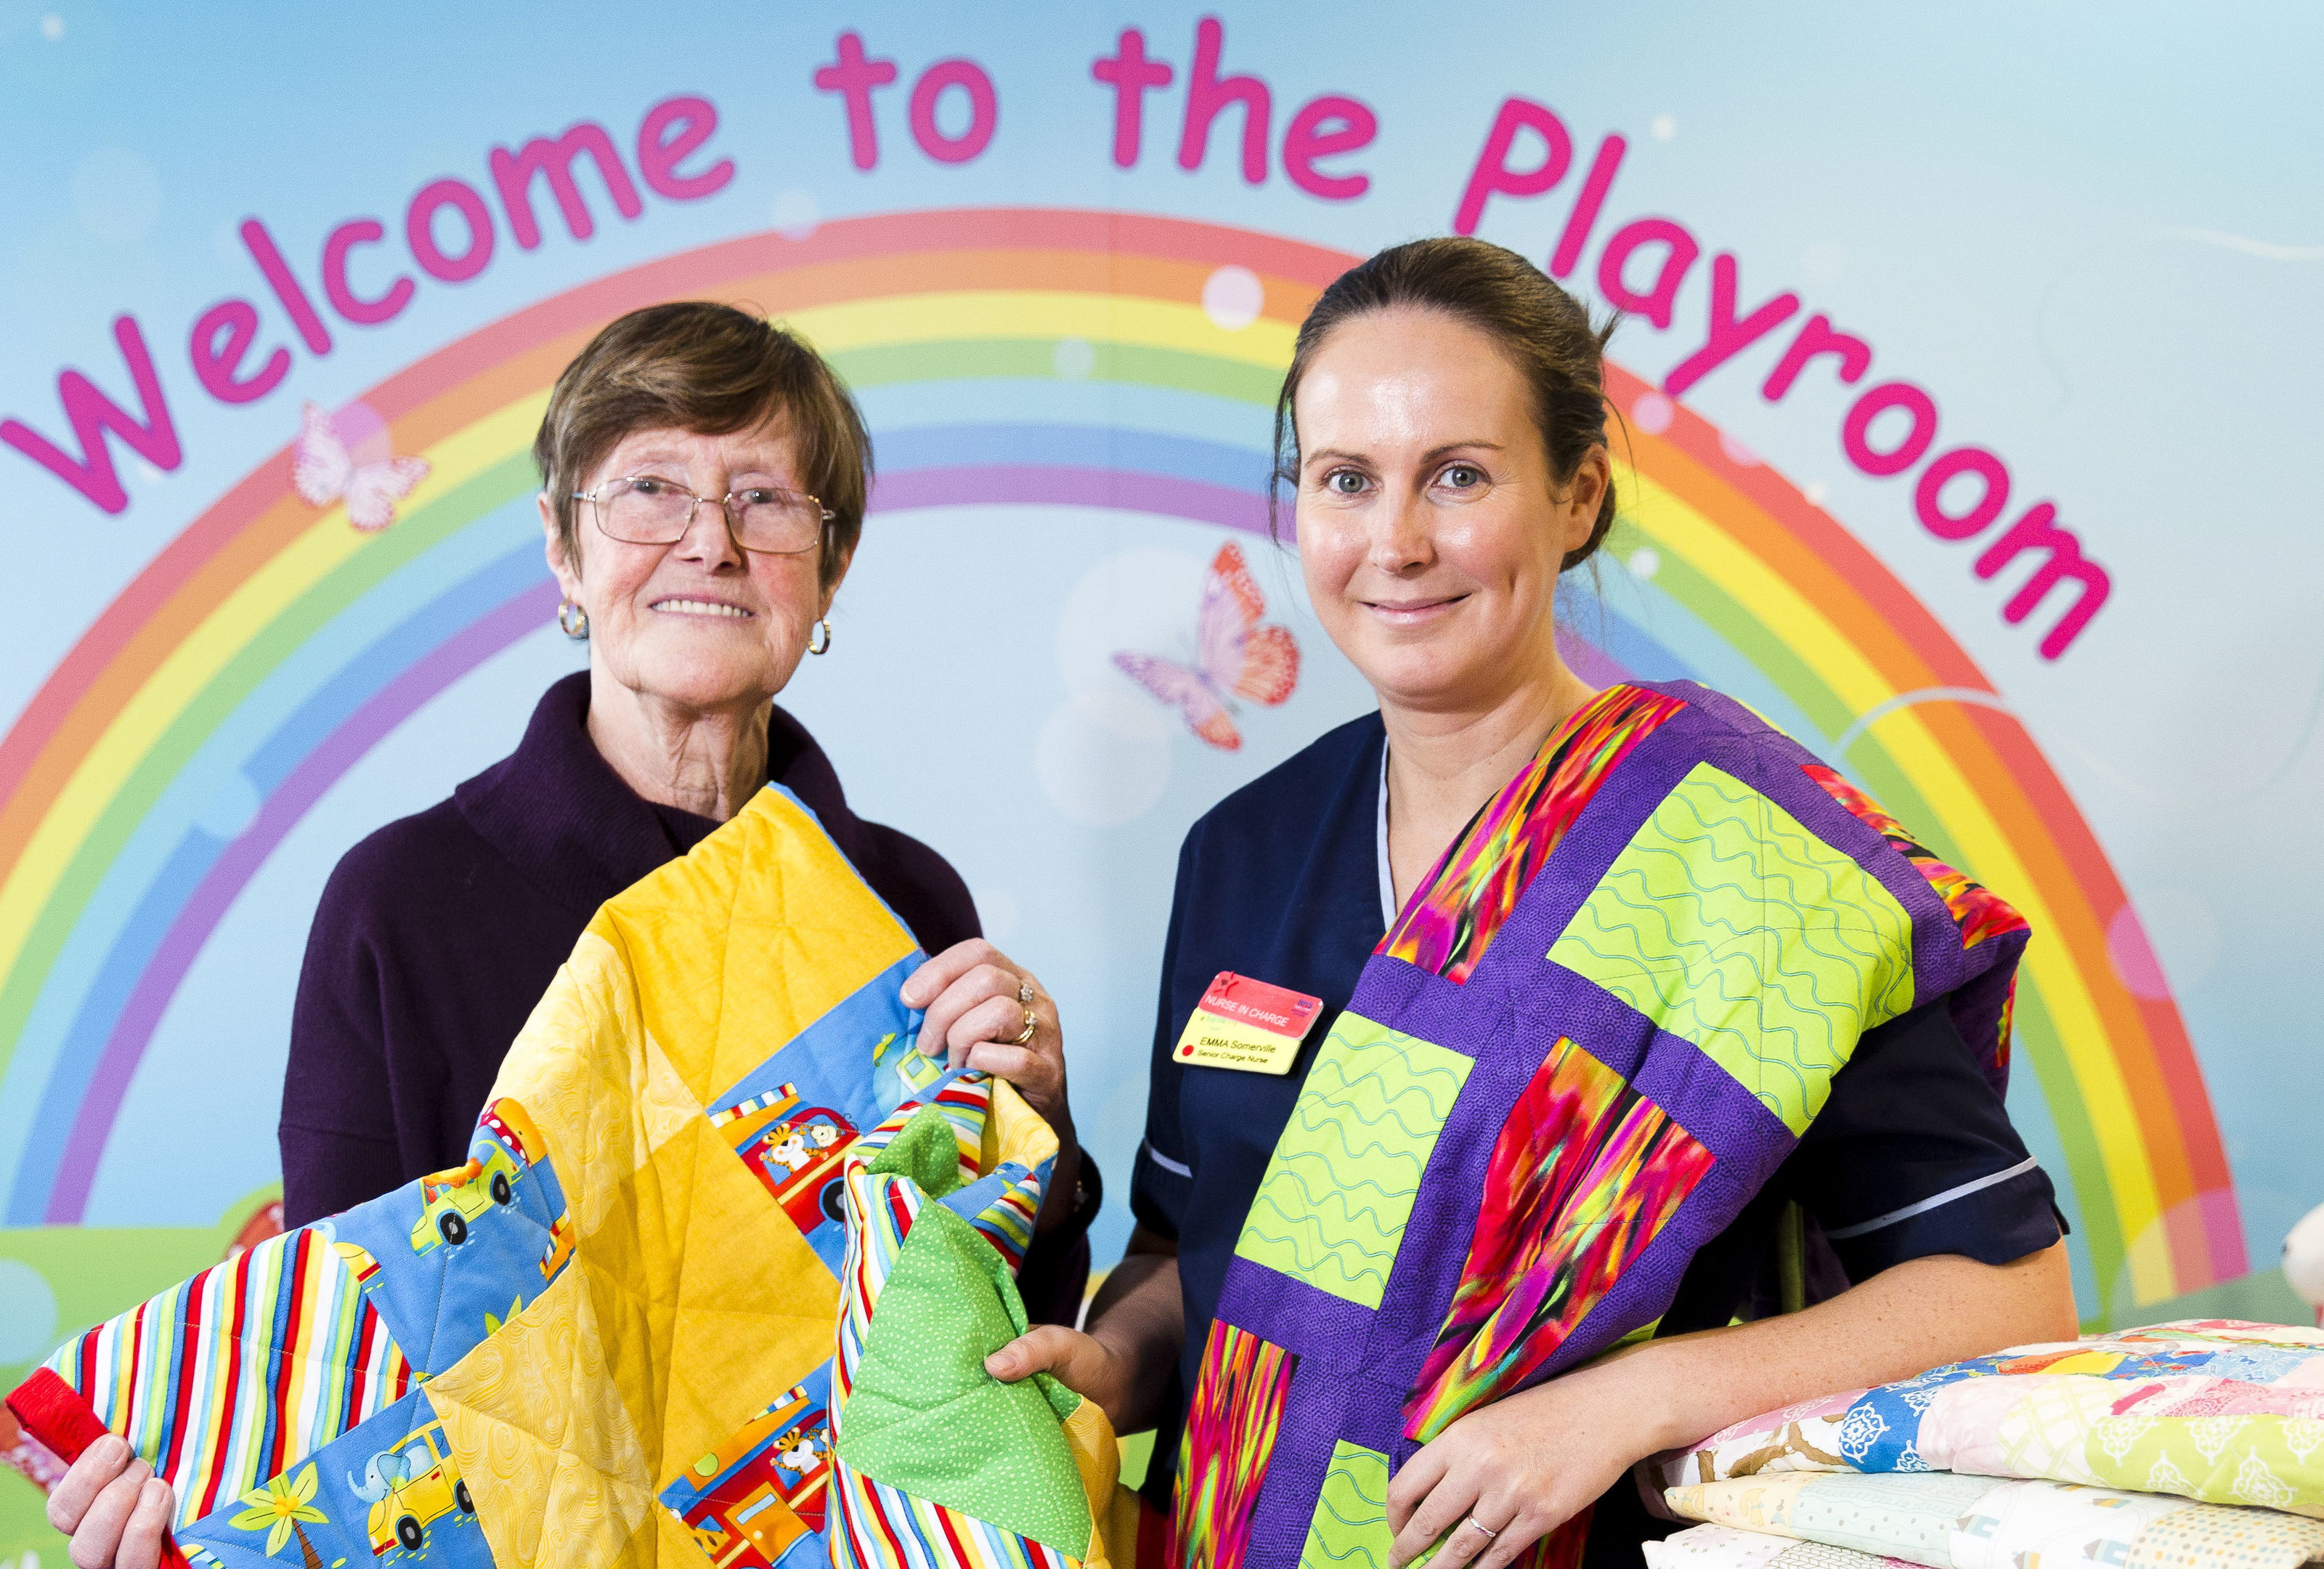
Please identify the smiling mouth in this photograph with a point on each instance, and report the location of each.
(705, 607)
(1414, 607)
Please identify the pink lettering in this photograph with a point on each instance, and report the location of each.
(1656, 303)
(419, 230)
(2034, 531)
(341, 293)
(218, 365)
(984, 110)
(513, 173)
(286, 287)
(1728, 336)
(1207, 93)
(671, 133)
(1855, 356)
(1491, 175)
(1960, 463)
(1129, 73)
(92, 414)
(1594, 187)
(1855, 433)
(1325, 127)
(853, 76)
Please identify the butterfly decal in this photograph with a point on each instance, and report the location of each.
(346, 457)
(1235, 656)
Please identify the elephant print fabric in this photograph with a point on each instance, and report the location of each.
(609, 1336)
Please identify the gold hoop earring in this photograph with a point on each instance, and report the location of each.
(573, 620)
(822, 629)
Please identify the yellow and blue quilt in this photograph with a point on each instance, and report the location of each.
(715, 1284)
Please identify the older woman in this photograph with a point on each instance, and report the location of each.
(1565, 999)
(704, 482)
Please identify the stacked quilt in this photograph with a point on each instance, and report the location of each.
(2196, 1443)
(716, 1283)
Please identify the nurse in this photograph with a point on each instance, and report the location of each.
(1631, 1024)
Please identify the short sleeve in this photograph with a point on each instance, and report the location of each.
(1162, 1183)
(1914, 1155)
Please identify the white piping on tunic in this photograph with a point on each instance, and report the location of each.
(1174, 1168)
(1387, 878)
(1936, 1200)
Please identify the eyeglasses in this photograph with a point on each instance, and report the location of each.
(643, 510)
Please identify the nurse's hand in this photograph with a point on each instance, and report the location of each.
(969, 992)
(1518, 1469)
(1137, 1326)
(1084, 1363)
(113, 1506)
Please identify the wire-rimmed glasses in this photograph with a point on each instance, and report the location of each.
(643, 509)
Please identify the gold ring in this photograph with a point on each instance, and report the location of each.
(1023, 993)
(1032, 1023)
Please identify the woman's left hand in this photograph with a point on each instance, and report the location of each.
(1519, 1468)
(970, 994)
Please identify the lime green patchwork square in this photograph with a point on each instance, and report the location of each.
(1350, 1530)
(1331, 1208)
(1729, 924)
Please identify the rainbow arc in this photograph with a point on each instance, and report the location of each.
(1014, 357)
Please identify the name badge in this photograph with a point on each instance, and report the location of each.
(1247, 1025)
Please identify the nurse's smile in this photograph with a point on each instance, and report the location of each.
(1412, 613)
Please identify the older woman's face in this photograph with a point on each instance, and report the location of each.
(701, 623)
(1431, 531)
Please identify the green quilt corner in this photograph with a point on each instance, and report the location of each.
(926, 1419)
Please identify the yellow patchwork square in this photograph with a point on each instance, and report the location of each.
(713, 1301)
(602, 1092)
(751, 946)
(1729, 924)
(542, 1438)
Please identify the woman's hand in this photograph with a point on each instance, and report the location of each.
(1084, 1363)
(968, 993)
(114, 1507)
(1137, 1326)
(1519, 1468)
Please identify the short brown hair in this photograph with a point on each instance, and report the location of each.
(1544, 330)
(711, 369)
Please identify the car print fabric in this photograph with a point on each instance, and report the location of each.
(713, 1159)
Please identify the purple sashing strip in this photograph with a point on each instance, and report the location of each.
(1293, 1314)
(1506, 985)
(1745, 1136)
(1315, 1417)
(1506, 1017)
(1452, 1190)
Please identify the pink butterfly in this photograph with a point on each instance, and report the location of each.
(1236, 656)
(347, 456)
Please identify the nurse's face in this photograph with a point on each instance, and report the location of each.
(1431, 531)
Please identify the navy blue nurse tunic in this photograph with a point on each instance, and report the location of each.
(1287, 881)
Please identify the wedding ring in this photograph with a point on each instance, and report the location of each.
(1474, 1525)
(1023, 993)
(1032, 1023)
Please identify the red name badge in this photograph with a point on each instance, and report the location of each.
(1247, 1025)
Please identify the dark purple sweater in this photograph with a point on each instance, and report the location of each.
(437, 934)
